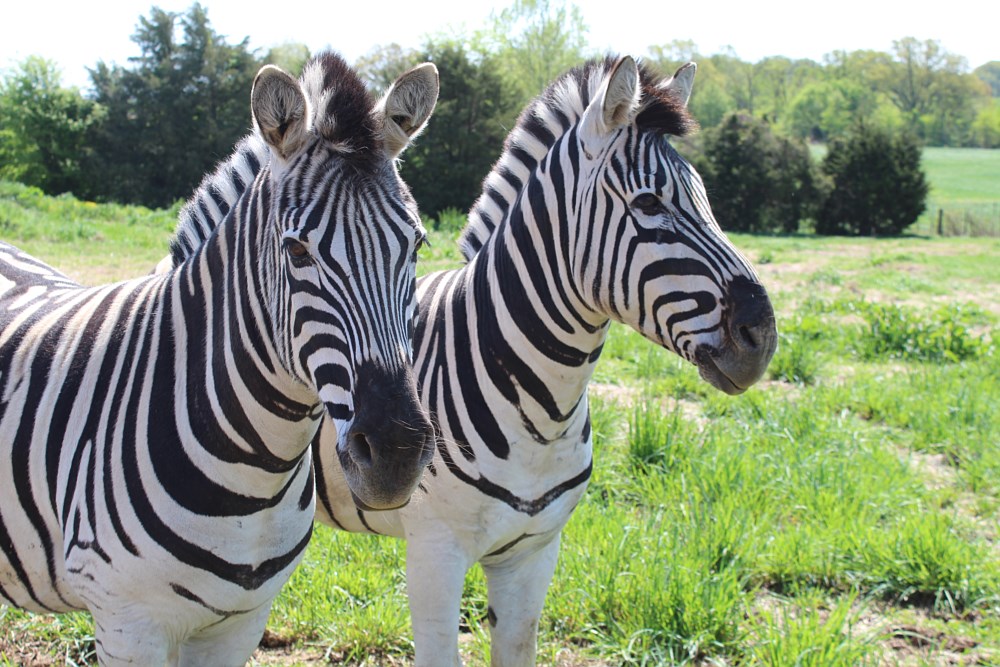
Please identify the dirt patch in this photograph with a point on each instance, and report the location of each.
(629, 397)
(917, 639)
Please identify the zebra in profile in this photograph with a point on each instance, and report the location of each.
(588, 216)
(155, 466)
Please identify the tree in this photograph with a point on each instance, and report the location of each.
(43, 128)
(710, 101)
(878, 186)
(289, 56)
(932, 90)
(990, 75)
(174, 112)
(533, 42)
(381, 65)
(759, 181)
(446, 166)
(826, 109)
(986, 127)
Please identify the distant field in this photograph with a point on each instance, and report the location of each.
(963, 174)
(841, 513)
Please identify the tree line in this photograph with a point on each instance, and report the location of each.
(147, 131)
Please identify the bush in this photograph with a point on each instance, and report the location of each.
(878, 187)
(897, 333)
(758, 181)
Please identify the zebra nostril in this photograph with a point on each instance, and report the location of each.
(748, 337)
(360, 449)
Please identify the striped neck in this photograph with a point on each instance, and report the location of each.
(221, 333)
(533, 324)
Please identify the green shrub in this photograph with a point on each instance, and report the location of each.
(759, 181)
(895, 332)
(878, 186)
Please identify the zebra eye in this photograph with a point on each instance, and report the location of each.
(297, 252)
(648, 203)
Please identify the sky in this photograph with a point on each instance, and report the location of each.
(76, 35)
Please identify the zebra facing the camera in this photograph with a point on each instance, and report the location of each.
(155, 466)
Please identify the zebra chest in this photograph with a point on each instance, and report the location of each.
(494, 508)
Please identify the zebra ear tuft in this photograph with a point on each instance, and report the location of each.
(279, 110)
(617, 101)
(679, 85)
(403, 111)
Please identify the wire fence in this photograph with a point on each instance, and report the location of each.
(959, 219)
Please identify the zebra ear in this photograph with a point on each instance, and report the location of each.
(403, 111)
(617, 100)
(679, 85)
(279, 110)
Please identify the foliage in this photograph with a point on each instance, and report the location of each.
(43, 128)
(931, 90)
(759, 181)
(989, 73)
(878, 187)
(533, 42)
(985, 130)
(178, 108)
(446, 166)
(894, 332)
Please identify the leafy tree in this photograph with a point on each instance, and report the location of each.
(825, 109)
(758, 181)
(932, 90)
(43, 128)
(533, 42)
(174, 112)
(990, 75)
(878, 186)
(986, 127)
(446, 166)
(710, 101)
(380, 66)
(289, 56)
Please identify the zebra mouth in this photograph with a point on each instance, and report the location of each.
(365, 507)
(706, 358)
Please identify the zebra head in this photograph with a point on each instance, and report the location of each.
(612, 206)
(660, 262)
(339, 253)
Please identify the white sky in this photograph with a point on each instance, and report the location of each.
(76, 34)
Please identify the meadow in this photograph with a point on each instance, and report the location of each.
(842, 512)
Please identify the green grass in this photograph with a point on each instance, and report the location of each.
(963, 174)
(847, 503)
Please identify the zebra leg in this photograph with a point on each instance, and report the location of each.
(517, 588)
(232, 641)
(435, 576)
(120, 641)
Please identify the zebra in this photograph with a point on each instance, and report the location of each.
(589, 216)
(155, 467)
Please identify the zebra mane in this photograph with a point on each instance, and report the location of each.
(544, 121)
(341, 105)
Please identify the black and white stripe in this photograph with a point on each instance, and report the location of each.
(154, 433)
(588, 216)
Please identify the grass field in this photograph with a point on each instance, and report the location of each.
(843, 512)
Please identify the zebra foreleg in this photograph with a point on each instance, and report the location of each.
(517, 590)
(435, 576)
(231, 642)
(121, 641)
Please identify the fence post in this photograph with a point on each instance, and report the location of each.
(940, 222)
